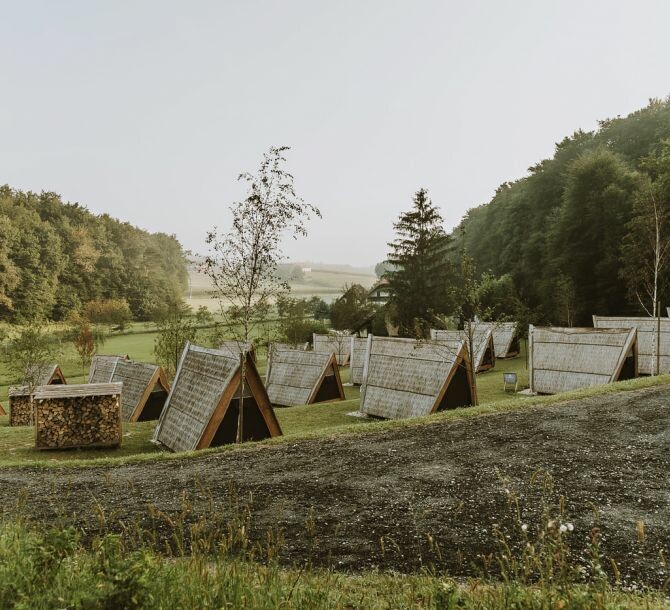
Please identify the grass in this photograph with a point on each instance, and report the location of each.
(213, 564)
(301, 422)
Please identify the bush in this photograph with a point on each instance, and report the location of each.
(108, 311)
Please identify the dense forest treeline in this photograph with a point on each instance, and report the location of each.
(56, 256)
(566, 234)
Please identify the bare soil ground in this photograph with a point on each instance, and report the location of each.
(336, 499)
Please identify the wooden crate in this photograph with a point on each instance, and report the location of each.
(87, 415)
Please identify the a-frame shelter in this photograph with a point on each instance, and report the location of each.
(302, 378)
(203, 407)
(405, 378)
(145, 390)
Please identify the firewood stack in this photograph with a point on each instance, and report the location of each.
(87, 415)
(20, 407)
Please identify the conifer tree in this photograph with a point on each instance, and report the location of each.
(420, 272)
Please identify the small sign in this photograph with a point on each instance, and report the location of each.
(510, 379)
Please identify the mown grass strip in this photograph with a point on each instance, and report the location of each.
(374, 428)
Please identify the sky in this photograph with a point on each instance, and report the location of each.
(149, 110)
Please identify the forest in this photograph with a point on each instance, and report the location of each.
(572, 235)
(55, 257)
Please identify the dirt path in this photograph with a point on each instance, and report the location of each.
(442, 481)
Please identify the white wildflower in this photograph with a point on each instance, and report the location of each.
(524, 528)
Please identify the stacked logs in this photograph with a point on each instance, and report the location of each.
(78, 416)
(20, 407)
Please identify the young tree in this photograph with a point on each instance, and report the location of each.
(243, 262)
(646, 248)
(419, 278)
(26, 350)
(175, 328)
(84, 344)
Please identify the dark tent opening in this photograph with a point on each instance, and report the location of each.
(329, 389)
(253, 425)
(154, 405)
(459, 392)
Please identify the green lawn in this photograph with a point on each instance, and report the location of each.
(16, 444)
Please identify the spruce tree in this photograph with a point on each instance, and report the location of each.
(420, 272)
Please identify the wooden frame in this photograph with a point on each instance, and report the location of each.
(219, 401)
(332, 362)
(462, 359)
(258, 393)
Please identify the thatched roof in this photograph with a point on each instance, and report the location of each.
(646, 339)
(145, 389)
(482, 340)
(102, 368)
(563, 359)
(302, 378)
(505, 337)
(333, 343)
(404, 378)
(203, 406)
(44, 374)
(302, 347)
(359, 347)
(233, 346)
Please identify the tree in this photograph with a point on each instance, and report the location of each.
(647, 245)
(295, 326)
(175, 328)
(318, 308)
(597, 204)
(85, 338)
(114, 312)
(419, 279)
(27, 349)
(352, 309)
(243, 262)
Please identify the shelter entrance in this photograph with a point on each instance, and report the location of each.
(459, 392)
(329, 389)
(154, 406)
(254, 427)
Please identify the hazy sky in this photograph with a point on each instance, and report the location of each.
(149, 110)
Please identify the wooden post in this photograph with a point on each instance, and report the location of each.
(658, 337)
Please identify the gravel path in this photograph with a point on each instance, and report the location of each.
(385, 499)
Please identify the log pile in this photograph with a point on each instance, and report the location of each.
(20, 407)
(78, 416)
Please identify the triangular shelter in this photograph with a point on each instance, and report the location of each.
(145, 390)
(405, 378)
(44, 374)
(359, 346)
(646, 339)
(233, 346)
(505, 338)
(482, 340)
(339, 344)
(302, 378)
(564, 359)
(2, 410)
(102, 368)
(203, 407)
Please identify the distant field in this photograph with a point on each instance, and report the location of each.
(323, 283)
